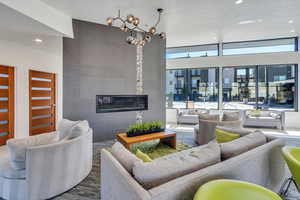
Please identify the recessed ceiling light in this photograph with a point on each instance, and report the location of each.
(293, 31)
(38, 40)
(247, 22)
(239, 1)
(250, 21)
(291, 21)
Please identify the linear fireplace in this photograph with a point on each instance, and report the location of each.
(121, 103)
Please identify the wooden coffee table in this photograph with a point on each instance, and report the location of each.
(166, 137)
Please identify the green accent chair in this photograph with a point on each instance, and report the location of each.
(292, 157)
(224, 189)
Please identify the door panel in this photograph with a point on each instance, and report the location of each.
(42, 108)
(7, 93)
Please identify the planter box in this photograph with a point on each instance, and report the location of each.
(144, 133)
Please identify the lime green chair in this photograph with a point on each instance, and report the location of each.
(234, 190)
(292, 157)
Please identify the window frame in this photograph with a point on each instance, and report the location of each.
(187, 47)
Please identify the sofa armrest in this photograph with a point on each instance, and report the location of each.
(117, 183)
(55, 168)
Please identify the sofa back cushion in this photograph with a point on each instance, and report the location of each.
(211, 117)
(125, 157)
(243, 144)
(17, 147)
(169, 167)
(231, 116)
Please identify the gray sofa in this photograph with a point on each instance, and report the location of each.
(263, 165)
(265, 119)
(189, 116)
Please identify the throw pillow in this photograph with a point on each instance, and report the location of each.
(77, 130)
(255, 113)
(125, 157)
(275, 115)
(65, 128)
(224, 136)
(240, 131)
(17, 147)
(231, 116)
(243, 144)
(264, 114)
(213, 117)
(175, 165)
(144, 157)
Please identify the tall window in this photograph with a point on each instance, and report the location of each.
(239, 87)
(198, 85)
(277, 87)
(260, 46)
(270, 87)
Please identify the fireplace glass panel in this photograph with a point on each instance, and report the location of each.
(121, 103)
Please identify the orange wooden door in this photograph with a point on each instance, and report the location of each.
(42, 108)
(7, 92)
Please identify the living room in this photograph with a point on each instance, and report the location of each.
(148, 100)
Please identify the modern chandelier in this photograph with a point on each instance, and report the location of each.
(137, 35)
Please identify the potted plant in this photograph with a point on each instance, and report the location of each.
(144, 128)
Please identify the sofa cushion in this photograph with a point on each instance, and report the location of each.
(125, 157)
(243, 144)
(240, 131)
(231, 116)
(213, 117)
(7, 171)
(225, 136)
(169, 167)
(65, 128)
(17, 147)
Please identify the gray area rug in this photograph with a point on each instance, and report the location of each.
(89, 188)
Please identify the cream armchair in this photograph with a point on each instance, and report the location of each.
(50, 169)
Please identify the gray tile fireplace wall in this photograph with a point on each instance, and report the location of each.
(99, 62)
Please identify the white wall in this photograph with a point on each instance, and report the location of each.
(21, 52)
(292, 118)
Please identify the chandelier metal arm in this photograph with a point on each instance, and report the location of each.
(158, 20)
(131, 24)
